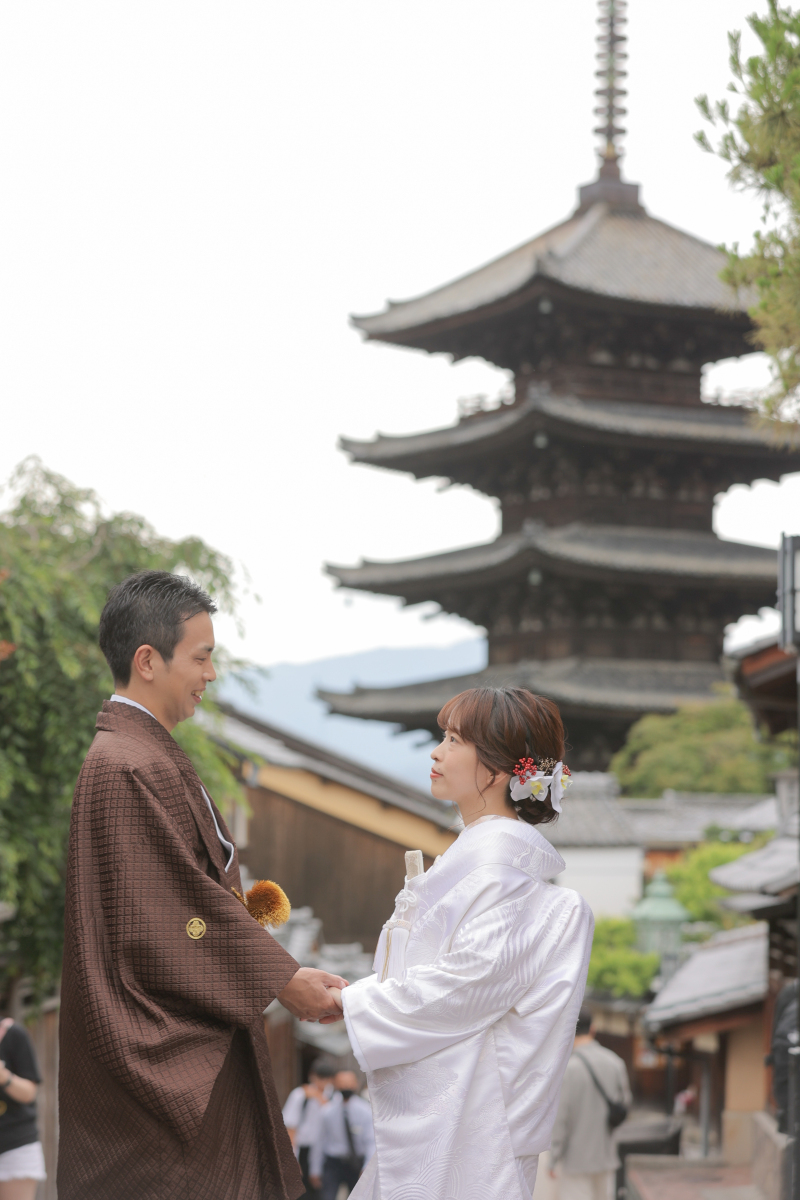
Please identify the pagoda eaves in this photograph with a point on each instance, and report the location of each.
(611, 287)
(607, 590)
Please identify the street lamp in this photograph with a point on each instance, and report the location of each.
(658, 918)
(789, 608)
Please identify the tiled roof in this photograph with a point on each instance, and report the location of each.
(708, 427)
(729, 971)
(628, 255)
(625, 687)
(771, 870)
(627, 550)
(681, 818)
(590, 822)
(283, 749)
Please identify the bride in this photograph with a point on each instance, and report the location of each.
(465, 1029)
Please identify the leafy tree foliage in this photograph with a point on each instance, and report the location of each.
(59, 556)
(700, 748)
(616, 966)
(761, 144)
(696, 892)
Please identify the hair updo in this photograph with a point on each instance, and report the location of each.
(505, 725)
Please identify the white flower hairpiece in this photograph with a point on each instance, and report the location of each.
(530, 782)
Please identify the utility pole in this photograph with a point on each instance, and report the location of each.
(789, 607)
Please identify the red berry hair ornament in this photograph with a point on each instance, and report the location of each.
(533, 780)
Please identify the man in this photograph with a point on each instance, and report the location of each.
(302, 1114)
(582, 1156)
(166, 1091)
(347, 1139)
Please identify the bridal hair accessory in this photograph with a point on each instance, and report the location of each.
(533, 780)
(267, 903)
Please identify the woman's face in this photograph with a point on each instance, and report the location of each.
(458, 776)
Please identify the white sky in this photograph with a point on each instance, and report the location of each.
(194, 196)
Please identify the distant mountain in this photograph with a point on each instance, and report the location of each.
(284, 695)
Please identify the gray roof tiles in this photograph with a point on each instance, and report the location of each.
(628, 255)
(624, 686)
(681, 819)
(623, 549)
(285, 750)
(706, 427)
(729, 971)
(771, 870)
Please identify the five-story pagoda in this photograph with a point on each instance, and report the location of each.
(607, 589)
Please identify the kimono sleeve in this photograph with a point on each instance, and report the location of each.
(159, 1003)
(173, 933)
(504, 957)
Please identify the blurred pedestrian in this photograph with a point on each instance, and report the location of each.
(595, 1098)
(347, 1140)
(784, 1038)
(21, 1158)
(302, 1115)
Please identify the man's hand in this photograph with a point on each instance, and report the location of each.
(306, 995)
(315, 1181)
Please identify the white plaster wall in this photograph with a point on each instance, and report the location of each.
(608, 877)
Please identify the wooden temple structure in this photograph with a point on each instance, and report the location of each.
(606, 588)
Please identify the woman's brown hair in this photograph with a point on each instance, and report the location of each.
(505, 725)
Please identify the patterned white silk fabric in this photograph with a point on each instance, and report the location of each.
(466, 1043)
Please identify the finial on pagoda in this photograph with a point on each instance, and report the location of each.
(611, 59)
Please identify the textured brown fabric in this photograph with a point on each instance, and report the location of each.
(165, 1088)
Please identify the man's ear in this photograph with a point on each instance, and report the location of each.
(143, 663)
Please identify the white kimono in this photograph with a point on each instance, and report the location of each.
(465, 1043)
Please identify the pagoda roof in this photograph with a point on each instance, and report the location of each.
(627, 551)
(608, 251)
(706, 428)
(623, 688)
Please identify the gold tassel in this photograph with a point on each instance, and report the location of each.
(267, 903)
(388, 949)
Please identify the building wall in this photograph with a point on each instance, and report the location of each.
(347, 875)
(608, 877)
(745, 1089)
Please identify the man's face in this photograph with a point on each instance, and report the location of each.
(181, 682)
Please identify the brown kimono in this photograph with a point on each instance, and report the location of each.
(165, 1089)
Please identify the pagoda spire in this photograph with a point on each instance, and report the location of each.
(611, 59)
(609, 188)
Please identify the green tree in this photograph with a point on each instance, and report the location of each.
(616, 966)
(761, 143)
(696, 892)
(700, 748)
(59, 555)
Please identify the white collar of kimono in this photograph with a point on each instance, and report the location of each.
(227, 846)
(490, 817)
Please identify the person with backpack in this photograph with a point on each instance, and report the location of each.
(595, 1099)
(21, 1158)
(302, 1115)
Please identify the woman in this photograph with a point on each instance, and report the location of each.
(466, 1027)
(21, 1158)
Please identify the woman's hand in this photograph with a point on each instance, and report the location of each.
(336, 995)
(21, 1090)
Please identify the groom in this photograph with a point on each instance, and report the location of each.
(165, 1089)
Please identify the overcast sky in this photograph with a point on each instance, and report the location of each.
(194, 197)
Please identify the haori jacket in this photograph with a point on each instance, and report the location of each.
(165, 1085)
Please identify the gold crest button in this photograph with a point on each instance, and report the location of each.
(195, 928)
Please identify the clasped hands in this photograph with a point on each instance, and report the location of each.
(313, 995)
